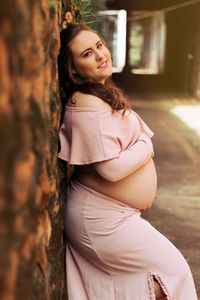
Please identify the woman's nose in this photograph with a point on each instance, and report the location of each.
(99, 55)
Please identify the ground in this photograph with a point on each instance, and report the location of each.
(176, 211)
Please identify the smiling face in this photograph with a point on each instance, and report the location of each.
(91, 58)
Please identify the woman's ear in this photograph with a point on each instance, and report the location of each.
(74, 71)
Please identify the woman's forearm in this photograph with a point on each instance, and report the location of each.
(128, 161)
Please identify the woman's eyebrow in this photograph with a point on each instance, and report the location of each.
(99, 41)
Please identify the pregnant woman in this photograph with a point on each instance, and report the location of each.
(112, 253)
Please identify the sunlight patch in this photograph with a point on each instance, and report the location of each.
(189, 114)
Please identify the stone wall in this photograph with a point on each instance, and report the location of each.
(31, 206)
(182, 49)
(192, 79)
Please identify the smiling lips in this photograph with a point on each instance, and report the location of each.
(103, 65)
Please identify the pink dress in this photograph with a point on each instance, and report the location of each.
(112, 253)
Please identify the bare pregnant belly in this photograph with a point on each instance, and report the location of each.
(137, 190)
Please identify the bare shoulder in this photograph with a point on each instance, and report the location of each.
(84, 100)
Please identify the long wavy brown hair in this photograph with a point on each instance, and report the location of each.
(70, 82)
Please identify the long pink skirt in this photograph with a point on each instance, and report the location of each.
(114, 254)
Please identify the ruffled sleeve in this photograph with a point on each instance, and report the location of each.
(89, 135)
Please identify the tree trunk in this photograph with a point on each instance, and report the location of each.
(31, 206)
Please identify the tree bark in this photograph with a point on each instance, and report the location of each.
(31, 201)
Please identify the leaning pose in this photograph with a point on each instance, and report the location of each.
(112, 253)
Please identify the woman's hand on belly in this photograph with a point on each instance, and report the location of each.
(137, 189)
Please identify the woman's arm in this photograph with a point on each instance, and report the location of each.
(129, 160)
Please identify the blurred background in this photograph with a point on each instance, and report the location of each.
(155, 44)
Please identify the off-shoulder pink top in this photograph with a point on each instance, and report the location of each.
(90, 135)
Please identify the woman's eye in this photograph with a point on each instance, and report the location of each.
(87, 54)
(99, 45)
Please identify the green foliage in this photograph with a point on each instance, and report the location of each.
(85, 10)
(52, 4)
